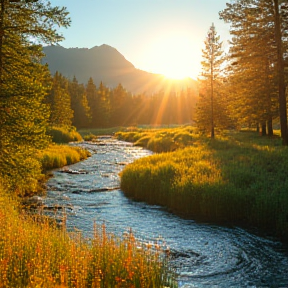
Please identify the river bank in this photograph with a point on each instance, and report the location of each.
(203, 254)
(35, 251)
(239, 178)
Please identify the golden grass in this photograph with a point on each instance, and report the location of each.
(56, 156)
(39, 254)
(239, 177)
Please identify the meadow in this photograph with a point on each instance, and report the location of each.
(239, 178)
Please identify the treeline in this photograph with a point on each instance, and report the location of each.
(245, 85)
(91, 106)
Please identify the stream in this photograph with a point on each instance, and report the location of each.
(203, 255)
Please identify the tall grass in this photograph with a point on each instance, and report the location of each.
(234, 179)
(56, 156)
(64, 134)
(39, 254)
(160, 140)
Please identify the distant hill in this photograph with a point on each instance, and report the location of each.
(104, 63)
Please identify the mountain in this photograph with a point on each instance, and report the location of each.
(104, 63)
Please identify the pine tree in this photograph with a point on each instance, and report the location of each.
(254, 57)
(60, 102)
(93, 103)
(79, 104)
(24, 84)
(104, 107)
(119, 106)
(210, 105)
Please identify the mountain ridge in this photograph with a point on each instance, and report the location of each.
(105, 63)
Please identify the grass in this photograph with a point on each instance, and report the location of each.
(160, 140)
(238, 178)
(64, 134)
(99, 131)
(36, 253)
(56, 156)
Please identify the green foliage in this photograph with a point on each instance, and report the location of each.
(239, 178)
(24, 84)
(36, 253)
(79, 104)
(64, 134)
(252, 79)
(59, 100)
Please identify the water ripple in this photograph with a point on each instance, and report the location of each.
(203, 255)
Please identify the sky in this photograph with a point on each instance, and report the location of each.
(158, 36)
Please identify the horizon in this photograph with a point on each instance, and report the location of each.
(156, 37)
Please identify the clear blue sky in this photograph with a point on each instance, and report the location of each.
(159, 36)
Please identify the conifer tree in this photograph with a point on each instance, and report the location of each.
(210, 105)
(104, 112)
(24, 84)
(79, 104)
(61, 113)
(118, 106)
(93, 103)
(254, 57)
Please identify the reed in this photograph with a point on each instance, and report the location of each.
(239, 178)
(35, 253)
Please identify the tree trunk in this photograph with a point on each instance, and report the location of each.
(263, 129)
(270, 126)
(282, 96)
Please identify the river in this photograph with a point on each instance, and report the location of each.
(204, 255)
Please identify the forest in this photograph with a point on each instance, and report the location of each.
(88, 106)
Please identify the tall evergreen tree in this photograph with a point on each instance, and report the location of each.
(210, 105)
(104, 107)
(23, 87)
(93, 102)
(119, 106)
(254, 60)
(60, 102)
(79, 104)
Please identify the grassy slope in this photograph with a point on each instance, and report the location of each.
(239, 178)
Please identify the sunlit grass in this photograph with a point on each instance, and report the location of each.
(64, 134)
(240, 178)
(56, 156)
(40, 254)
(160, 140)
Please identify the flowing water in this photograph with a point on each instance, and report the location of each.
(204, 255)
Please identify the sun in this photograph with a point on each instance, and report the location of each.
(174, 55)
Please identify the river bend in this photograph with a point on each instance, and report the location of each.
(204, 255)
